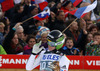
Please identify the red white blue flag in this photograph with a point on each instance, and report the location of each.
(80, 12)
(42, 15)
(76, 2)
(42, 3)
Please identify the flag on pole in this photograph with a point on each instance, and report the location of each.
(42, 3)
(2, 1)
(42, 15)
(76, 2)
(32, 1)
(80, 12)
(7, 4)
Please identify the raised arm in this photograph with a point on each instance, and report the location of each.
(32, 62)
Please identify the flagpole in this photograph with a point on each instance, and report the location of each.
(68, 26)
(29, 18)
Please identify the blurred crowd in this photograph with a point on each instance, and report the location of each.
(82, 37)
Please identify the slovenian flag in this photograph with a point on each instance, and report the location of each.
(42, 3)
(2, 1)
(80, 12)
(32, 1)
(42, 15)
(76, 2)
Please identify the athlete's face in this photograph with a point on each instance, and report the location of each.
(51, 48)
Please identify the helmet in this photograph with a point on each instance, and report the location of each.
(56, 39)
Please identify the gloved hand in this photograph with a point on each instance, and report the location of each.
(37, 49)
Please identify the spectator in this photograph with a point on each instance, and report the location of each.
(6, 22)
(11, 43)
(89, 37)
(69, 48)
(37, 24)
(67, 6)
(73, 30)
(18, 13)
(93, 29)
(2, 51)
(44, 38)
(43, 32)
(30, 43)
(93, 48)
(58, 24)
(79, 36)
(28, 25)
(20, 33)
(88, 23)
(55, 7)
(2, 26)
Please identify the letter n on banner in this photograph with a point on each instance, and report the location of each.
(76, 62)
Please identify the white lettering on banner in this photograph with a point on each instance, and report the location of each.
(98, 62)
(18, 61)
(0, 61)
(24, 61)
(5, 61)
(75, 62)
(12, 61)
(93, 62)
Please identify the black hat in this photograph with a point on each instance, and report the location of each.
(65, 3)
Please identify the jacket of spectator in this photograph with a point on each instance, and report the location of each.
(27, 50)
(72, 51)
(2, 51)
(92, 50)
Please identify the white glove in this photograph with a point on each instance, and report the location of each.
(37, 49)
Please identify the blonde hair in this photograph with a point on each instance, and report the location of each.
(1, 23)
(45, 33)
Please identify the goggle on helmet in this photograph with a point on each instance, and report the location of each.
(56, 39)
